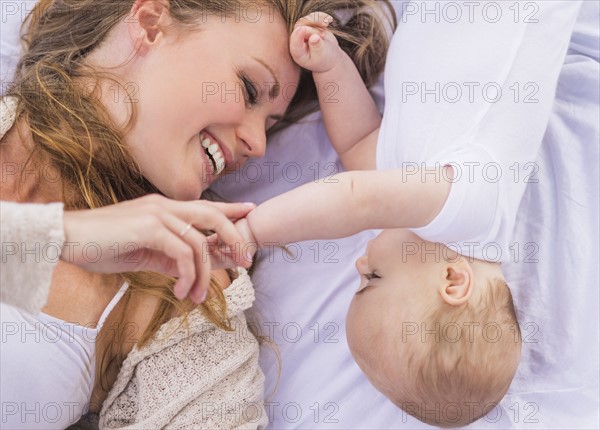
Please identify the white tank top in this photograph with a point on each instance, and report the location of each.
(47, 368)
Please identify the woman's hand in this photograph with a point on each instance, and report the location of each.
(156, 234)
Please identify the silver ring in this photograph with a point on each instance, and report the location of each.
(185, 230)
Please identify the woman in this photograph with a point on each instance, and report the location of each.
(154, 97)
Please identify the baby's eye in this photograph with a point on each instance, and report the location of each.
(372, 275)
(368, 277)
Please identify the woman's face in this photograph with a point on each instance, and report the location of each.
(205, 99)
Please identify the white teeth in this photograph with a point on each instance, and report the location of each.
(220, 165)
(215, 151)
(220, 162)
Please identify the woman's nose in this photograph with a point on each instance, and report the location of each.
(254, 148)
(253, 139)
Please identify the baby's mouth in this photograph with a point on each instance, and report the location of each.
(214, 153)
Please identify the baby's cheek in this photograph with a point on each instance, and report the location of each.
(351, 325)
(357, 320)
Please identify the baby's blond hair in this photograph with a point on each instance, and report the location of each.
(466, 370)
(467, 358)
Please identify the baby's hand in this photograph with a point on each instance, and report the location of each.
(225, 257)
(315, 48)
(246, 233)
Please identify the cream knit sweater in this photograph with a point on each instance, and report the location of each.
(204, 378)
(32, 238)
(190, 375)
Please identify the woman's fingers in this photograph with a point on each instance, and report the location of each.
(215, 217)
(173, 246)
(233, 211)
(198, 288)
(209, 217)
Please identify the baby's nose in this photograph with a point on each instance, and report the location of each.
(361, 265)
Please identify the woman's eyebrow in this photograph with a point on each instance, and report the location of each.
(274, 91)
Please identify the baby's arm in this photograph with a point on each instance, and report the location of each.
(347, 203)
(349, 112)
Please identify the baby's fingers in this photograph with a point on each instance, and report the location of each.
(304, 38)
(298, 46)
(222, 256)
(315, 42)
(229, 235)
(320, 18)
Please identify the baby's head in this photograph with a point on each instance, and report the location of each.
(434, 331)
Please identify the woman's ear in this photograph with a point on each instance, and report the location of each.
(147, 21)
(458, 283)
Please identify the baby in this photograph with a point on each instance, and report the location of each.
(432, 324)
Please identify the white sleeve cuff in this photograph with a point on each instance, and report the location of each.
(32, 237)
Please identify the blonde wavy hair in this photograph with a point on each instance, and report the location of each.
(73, 131)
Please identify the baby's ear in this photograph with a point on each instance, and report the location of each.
(147, 20)
(457, 286)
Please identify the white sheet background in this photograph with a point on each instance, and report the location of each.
(302, 300)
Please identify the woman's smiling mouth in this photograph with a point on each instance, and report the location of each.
(214, 153)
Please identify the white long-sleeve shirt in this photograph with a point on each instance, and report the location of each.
(481, 89)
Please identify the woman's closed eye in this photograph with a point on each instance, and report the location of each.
(250, 91)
